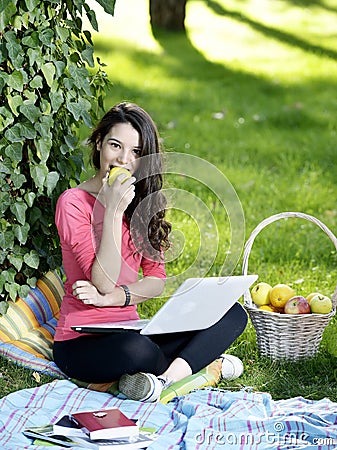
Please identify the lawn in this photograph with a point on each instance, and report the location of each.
(251, 90)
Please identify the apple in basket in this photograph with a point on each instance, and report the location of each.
(297, 305)
(260, 293)
(280, 294)
(312, 295)
(320, 304)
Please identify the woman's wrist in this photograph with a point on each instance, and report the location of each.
(127, 294)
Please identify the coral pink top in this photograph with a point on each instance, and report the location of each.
(79, 220)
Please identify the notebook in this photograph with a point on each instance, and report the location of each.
(197, 304)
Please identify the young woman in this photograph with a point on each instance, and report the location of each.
(109, 234)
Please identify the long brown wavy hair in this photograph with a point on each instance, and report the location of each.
(148, 220)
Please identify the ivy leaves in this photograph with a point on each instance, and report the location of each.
(46, 93)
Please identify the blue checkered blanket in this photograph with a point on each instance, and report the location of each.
(204, 419)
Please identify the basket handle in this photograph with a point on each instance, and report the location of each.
(269, 220)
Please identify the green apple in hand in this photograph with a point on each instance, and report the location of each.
(260, 293)
(320, 304)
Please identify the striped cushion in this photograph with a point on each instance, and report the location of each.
(27, 329)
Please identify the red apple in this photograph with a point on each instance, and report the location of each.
(297, 305)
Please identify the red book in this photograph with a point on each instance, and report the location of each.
(106, 424)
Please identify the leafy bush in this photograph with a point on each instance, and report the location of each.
(49, 86)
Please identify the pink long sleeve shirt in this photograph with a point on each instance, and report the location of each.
(79, 220)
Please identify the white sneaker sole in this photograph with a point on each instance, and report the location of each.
(143, 387)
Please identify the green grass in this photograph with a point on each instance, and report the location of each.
(251, 88)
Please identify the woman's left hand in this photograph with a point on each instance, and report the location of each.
(87, 293)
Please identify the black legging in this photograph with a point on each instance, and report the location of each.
(103, 358)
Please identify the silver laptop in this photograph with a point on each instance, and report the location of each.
(197, 304)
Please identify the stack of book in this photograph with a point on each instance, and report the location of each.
(97, 430)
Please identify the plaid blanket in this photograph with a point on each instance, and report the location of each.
(204, 419)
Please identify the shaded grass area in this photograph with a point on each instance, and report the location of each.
(252, 90)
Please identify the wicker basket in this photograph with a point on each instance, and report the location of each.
(286, 336)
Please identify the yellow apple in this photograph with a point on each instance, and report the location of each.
(321, 304)
(115, 172)
(280, 294)
(260, 293)
(312, 295)
(266, 308)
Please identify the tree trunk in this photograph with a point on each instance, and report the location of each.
(168, 14)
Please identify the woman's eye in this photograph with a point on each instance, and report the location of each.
(137, 151)
(115, 145)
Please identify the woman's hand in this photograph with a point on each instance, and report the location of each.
(120, 194)
(87, 293)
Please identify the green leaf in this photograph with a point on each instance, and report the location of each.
(32, 40)
(7, 11)
(32, 4)
(14, 103)
(6, 239)
(62, 32)
(18, 179)
(43, 146)
(16, 260)
(6, 117)
(32, 259)
(8, 275)
(80, 76)
(19, 210)
(31, 96)
(39, 174)
(56, 100)
(14, 151)
(51, 181)
(27, 129)
(75, 109)
(15, 80)
(46, 37)
(92, 18)
(34, 215)
(44, 127)
(108, 5)
(87, 34)
(35, 57)
(3, 307)
(71, 141)
(12, 290)
(48, 71)
(21, 233)
(4, 4)
(37, 82)
(14, 134)
(60, 66)
(4, 202)
(14, 49)
(30, 111)
(29, 198)
(5, 165)
(23, 291)
(20, 132)
(3, 78)
(87, 55)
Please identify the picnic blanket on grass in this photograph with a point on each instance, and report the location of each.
(204, 419)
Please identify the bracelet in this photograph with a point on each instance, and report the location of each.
(127, 294)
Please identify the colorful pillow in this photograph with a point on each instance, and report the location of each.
(27, 329)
